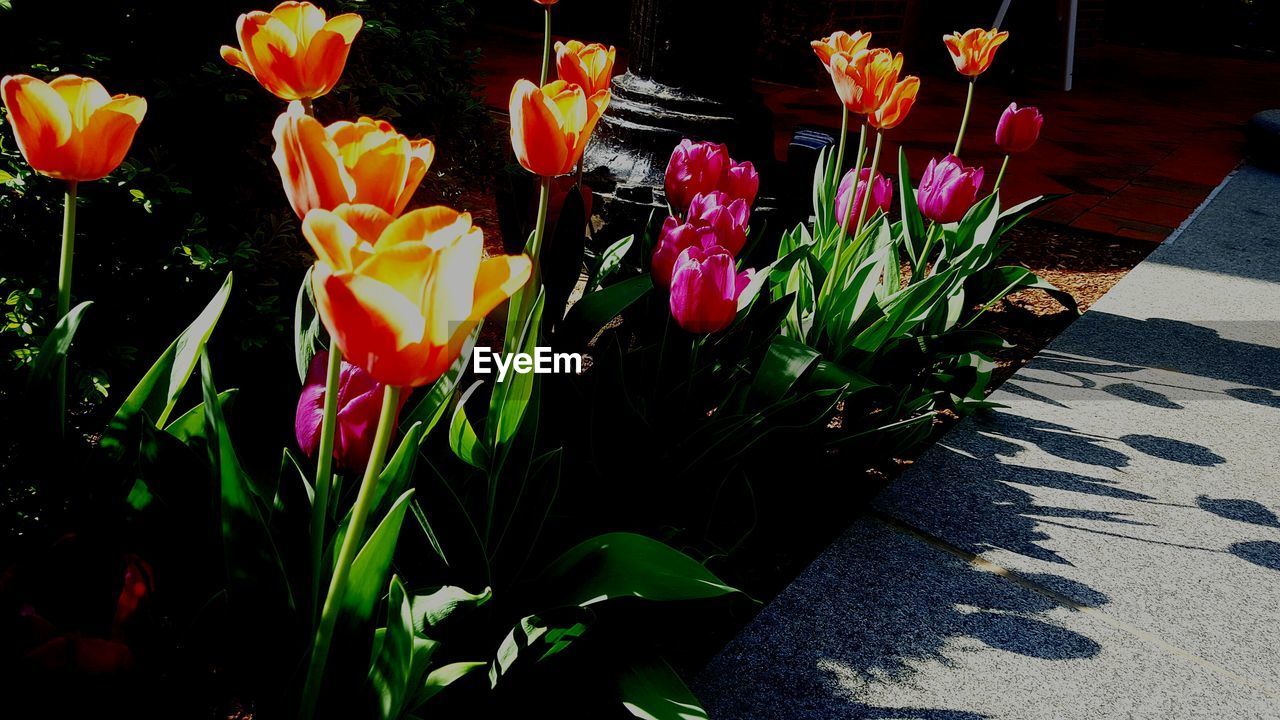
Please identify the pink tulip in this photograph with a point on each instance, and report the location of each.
(359, 403)
(1019, 128)
(695, 167)
(881, 196)
(705, 289)
(742, 181)
(674, 238)
(948, 189)
(726, 216)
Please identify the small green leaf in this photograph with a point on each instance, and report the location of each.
(306, 328)
(462, 436)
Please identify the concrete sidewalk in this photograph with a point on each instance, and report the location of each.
(1107, 546)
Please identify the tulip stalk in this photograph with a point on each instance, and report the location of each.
(324, 472)
(964, 120)
(866, 195)
(844, 137)
(546, 45)
(64, 293)
(843, 218)
(1000, 178)
(347, 553)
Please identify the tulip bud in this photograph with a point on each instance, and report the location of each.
(948, 189)
(705, 289)
(359, 404)
(588, 66)
(881, 196)
(695, 167)
(674, 239)
(726, 216)
(974, 50)
(1019, 128)
(742, 181)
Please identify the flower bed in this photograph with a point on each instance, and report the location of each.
(438, 541)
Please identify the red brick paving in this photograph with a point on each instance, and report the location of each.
(1139, 143)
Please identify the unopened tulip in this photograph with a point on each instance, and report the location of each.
(364, 162)
(550, 125)
(674, 239)
(881, 196)
(865, 80)
(727, 217)
(894, 110)
(948, 189)
(1019, 128)
(588, 66)
(694, 167)
(705, 289)
(840, 42)
(359, 403)
(742, 181)
(399, 297)
(973, 51)
(293, 51)
(71, 129)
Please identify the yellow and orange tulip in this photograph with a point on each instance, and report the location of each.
(399, 297)
(974, 50)
(891, 114)
(294, 51)
(865, 80)
(550, 125)
(840, 42)
(364, 162)
(70, 128)
(589, 66)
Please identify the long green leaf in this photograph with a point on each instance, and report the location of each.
(652, 690)
(369, 570)
(595, 310)
(785, 361)
(55, 346)
(510, 398)
(306, 328)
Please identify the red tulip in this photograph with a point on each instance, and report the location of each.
(742, 181)
(881, 196)
(675, 238)
(1019, 128)
(726, 216)
(705, 289)
(948, 189)
(359, 403)
(695, 167)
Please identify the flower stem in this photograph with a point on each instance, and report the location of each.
(964, 121)
(307, 107)
(346, 555)
(843, 217)
(64, 294)
(540, 227)
(866, 194)
(546, 45)
(1000, 178)
(844, 137)
(324, 473)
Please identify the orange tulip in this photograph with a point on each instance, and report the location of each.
(71, 129)
(895, 109)
(550, 125)
(865, 80)
(589, 66)
(973, 51)
(293, 51)
(399, 297)
(365, 162)
(840, 42)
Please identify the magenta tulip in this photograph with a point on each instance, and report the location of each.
(1019, 128)
(695, 167)
(948, 189)
(674, 239)
(727, 216)
(881, 196)
(359, 403)
(705, 289)
(742, 181)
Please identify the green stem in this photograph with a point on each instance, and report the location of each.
(1000, 178)
(546, 45)
(346, 555)
(64, 294)
(844, 137)
(866, 194)
(540, 228)
(324, 473)
(964, 121)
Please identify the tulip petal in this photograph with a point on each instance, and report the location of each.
(366, 317)
(302, 18)
(450, 290)
(235, 58)
(83, 97)
(326, 55)
(106, 138)
(310, 169)
(331, 238)
(536, 134)
(40, 119)
(369, 221)
(498, 279)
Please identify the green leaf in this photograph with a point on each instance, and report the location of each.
(462, 436)
(306, 328)
(433, 609)
(622, 564)
(393, 654)
(158, 391)
(444, 676)
(54, 348)
(786, 360)
(369, 570)
(562, 256)
(653, 691)
(595, 310)
(510, 396)
(1002, 281)
(398, 471)
(610, 261)
(191, 424)
(912, 222)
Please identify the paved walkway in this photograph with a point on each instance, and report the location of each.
(1106, 547)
